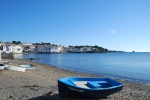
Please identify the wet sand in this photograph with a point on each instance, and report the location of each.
(41, 84)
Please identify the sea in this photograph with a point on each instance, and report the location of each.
(133, 66)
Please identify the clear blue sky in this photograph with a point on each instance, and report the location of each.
(113, 24)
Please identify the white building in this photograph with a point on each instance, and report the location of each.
(49, 49)
(17, 49)
(44, 49)
(26, 44)
(0, 56)
(81, 50)
(32, 49)
(7, 48)
(60, 48)
(12, 48)
(57, 49)
(88, 49)
(75, 50)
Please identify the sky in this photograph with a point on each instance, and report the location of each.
(122, 25)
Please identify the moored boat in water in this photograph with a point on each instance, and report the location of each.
(91, 88)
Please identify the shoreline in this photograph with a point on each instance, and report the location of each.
(41, 82)
(108, 76)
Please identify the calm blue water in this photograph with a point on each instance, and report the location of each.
(132, 66)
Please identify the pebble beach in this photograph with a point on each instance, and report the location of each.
(40, 83)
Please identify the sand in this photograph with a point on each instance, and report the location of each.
(41, 84)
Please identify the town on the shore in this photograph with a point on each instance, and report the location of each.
(19, 47)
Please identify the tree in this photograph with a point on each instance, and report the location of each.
(15, 42)
(19, 42)
(37, 44)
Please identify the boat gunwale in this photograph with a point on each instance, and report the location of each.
(97, 89)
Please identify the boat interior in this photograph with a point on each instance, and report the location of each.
(91, 84)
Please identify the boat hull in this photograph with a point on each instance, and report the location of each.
(69, 90)
(26, 66)
(16, 68)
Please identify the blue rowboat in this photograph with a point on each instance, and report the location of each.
(87, 88)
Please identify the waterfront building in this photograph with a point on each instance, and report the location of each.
(0, 56)
(32, 49)
(7, 48)
(44, 49)
(49, 49)
(80, 49)
(26, 44)
(17, 49)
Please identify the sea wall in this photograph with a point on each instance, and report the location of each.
(7, 56)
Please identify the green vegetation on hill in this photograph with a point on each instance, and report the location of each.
(95, 49)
